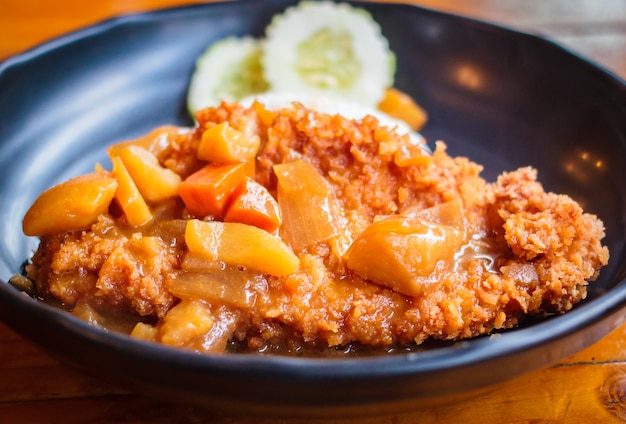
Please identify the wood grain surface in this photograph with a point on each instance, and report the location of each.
(589, 387)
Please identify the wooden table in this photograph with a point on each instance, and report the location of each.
(589, 387)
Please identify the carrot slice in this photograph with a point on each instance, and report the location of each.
(400, 105)
(208, 190)
(252, 204)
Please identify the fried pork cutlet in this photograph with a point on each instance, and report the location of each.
(393, 246)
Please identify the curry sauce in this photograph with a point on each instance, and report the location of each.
(311, 231)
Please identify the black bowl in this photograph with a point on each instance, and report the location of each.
(505, 99)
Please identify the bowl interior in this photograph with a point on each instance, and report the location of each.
(504, 99)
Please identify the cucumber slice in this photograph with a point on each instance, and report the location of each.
(329, 48)
(230, 69)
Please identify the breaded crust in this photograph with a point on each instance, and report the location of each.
(527, 252)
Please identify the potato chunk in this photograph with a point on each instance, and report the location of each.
(158, 141)
(186, 321)
(69, 206)
(154, 182)
(240, 245)
(224, 144)
(128, 197)
(402, 251)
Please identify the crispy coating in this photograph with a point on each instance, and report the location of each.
(527, 252)
(104, 266)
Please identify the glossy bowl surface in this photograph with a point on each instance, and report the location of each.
(503, 98)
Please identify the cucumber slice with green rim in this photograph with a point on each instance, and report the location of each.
(329, 48)
(230, 69)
